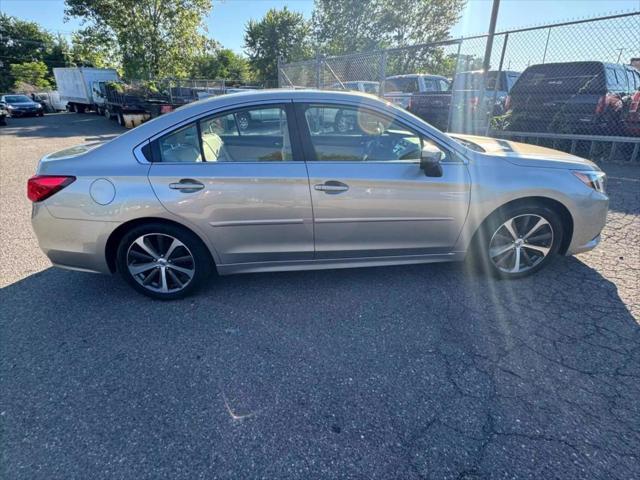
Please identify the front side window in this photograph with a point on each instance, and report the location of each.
(248, 135)
(351, 134)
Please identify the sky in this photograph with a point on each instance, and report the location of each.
(228, 17)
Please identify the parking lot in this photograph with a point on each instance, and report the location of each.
(427, 371)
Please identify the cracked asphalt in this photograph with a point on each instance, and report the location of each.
(419, 372)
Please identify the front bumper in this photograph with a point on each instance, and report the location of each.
(25, 113)
(73, 244)
(589, 218)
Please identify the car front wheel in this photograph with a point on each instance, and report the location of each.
(520, 241)
(163, 261)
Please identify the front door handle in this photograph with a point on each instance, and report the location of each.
(331, 187)
(187, 185)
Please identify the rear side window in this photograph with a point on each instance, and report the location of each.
(562, 78)
(248, 135)
(430, 85)
(180, 146)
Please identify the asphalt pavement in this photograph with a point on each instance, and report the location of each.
(410, 372)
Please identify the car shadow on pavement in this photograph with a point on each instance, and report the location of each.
(398, 372)
(60, 125)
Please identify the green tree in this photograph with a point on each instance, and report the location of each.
(346, 26)
(156, 38)
(94, 47)
(30, 73)
(280, 33)
(21, 42)
(349, 26)
(221, 63)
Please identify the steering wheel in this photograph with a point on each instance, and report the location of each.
(378, 147)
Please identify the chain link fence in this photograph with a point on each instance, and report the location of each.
(572, 85)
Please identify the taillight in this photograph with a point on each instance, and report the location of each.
(42, 187)
(507, 103)
(601, 104)
(635, 103)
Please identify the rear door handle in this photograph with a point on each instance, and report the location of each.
(187, 185)
(331, 187)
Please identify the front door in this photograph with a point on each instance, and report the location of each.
(370, 197)
(238, 178)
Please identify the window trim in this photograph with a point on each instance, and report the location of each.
(286, 105)
(310, 154)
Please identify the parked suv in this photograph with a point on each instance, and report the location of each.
(400, 88)
(464, 97)
(575, 97)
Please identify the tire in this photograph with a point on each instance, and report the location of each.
(107, 114)
(183, 271)
(72, 107)
(518, 241)
(3, 121)
(81, 108)
(41, 114)
(121, 120)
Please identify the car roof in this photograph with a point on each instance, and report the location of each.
(213, 105)
(248, 97)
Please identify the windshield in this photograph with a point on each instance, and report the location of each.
(404, 85)
(16, 98)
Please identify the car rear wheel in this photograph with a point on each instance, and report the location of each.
(163, 261)
(520, 241)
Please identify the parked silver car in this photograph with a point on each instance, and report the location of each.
(191, 192)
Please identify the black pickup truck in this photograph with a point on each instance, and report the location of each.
(464, 96)
(432, 107)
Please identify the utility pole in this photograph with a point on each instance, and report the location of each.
(486, 65)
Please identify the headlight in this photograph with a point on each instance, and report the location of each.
(10, 107)
(592, 178)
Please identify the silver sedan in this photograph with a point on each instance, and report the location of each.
(273, 180)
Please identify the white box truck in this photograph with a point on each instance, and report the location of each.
(79, 87)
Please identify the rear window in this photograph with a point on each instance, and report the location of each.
(404, 85)
(562, 78)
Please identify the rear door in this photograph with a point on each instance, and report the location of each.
(370, 197)
(246, 188)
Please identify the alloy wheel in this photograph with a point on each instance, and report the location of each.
(160, 263)
(521, 243)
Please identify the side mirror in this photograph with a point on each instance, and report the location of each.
(430, 162)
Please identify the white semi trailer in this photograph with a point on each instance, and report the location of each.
(79, 87)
